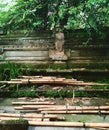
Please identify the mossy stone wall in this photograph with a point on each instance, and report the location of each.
(35, 48)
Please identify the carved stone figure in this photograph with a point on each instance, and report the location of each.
(58, 53)
(59, 43)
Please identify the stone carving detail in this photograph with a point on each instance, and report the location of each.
(58, 53)
(59, 42)
(27, 41)
(30, 44)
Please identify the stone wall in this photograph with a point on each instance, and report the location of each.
(28, 49)
(36, 50)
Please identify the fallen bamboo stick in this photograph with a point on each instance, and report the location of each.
(3, 86)
(36, 116)
(40, 122)
(66, 111)
(51, 80)
(32, 77)
(4, 82)
(30, 107)
(42, 78)
(75, 108)
(33, 103)
(28, 77)
(76, 112)
(29, 119)
(63, 107)
(33, 122)
(18, 108)
(70, 124)
(34, 107)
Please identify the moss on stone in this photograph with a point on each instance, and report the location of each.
(20, 121)
(20, 124)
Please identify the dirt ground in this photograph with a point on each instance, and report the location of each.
(7, 107)
(6, 103)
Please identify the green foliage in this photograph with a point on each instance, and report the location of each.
(11, 70)
(100, 87)
(24, 94)
(62, 14)
(59, 94)
(100, 94)
(27, 15)
(89, 15)
(57, 14)
(4, 15)
(20, 121)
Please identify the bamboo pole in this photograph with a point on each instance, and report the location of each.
(27, 115)
(74, 108)
(35, 107)
(75, 112)
(18, 108)
(70, 124)
(29, 119)
(35, 122)
(33, 103)
(36, 116)
(51, 80)
(3, 86)
(35, 77)
(30, 77)
(32, 107)
(63, 107)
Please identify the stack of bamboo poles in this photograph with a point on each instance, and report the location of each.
(31, 117)
(50, 80)
(65, 109)
(44, 118)
(62, 109)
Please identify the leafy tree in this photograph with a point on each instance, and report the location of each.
(4, 14)
(91, 15)
(62, 14)
(28, 15)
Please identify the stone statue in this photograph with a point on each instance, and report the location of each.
(59, 42)
(58, 53)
